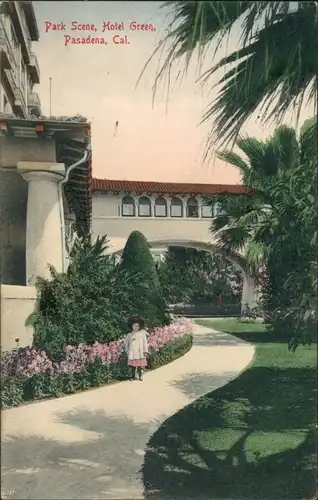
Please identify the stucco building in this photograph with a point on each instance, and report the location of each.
(19, 69)
(45, 175)
(168, 214)
(45, 193)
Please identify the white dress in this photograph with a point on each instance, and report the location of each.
(136, 346)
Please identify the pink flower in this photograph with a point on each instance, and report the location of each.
(27, 361)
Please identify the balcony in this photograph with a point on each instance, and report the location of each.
(34, 69)
(10, 80)
(6, 53)
(34, 104)
(21, 28)
(19, 104)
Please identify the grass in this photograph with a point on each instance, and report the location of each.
(252, 439)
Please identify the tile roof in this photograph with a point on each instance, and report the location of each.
(167, 187)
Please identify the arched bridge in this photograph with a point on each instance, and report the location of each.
(167, 214)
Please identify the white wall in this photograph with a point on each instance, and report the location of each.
(16, 304)
(107, 220)
(13, 206)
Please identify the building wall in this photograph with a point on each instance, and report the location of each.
(17, 303)
(15, 149)
(13, 204)
(5, 106)
(13, 201)
(16, 82)
(106, 219)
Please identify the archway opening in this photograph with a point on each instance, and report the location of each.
(243, 293)
(233, 263)
(200, 283)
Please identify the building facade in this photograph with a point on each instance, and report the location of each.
(168, 214)
(45, 172)
(162, 211)
(45, 176)
(19, 69)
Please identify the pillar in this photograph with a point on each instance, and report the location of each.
(44, 238)
(248, 294)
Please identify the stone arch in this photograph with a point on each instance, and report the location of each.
(248, 293)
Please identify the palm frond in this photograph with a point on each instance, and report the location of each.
(275, 70)
(233, 239)
(252, 148)
(235, 160)
(308, 141)
(255, 254)
(286, 147)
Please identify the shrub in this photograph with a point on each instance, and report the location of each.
(252, 314)
(28, 374)
(207, 274)
(90, 302)
(171, 351)
(139, 265)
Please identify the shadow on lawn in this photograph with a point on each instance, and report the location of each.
(250, 332)
(247, 440)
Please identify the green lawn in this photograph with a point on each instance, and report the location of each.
(254, 438)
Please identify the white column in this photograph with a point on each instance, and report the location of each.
(248, 294)
(44, 218)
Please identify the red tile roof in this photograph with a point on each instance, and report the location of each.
(167, 187)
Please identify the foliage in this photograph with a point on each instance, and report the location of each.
(28, 374)
(170, 352)
(252, 315)
(137, 262)
(276, 224)
(274, 64)
(206, 275)
(90, 302)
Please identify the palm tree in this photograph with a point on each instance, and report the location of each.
(249, 221)
(276, 224)
(277, 61)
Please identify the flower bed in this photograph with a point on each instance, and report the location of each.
(28, 374)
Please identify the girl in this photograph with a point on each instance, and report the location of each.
(136, 347)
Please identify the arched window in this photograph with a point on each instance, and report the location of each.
(217, 210)
(206, 210)
(192, 208)
(176, 209)
(128, 207)
(144, 207)
(160, 207)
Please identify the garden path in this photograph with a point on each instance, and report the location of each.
(92, 444)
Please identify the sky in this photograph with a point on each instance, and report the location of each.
(152, 142)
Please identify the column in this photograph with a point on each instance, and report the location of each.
(44, 238)
(248, 294)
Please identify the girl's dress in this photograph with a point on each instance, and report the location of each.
(136, 346)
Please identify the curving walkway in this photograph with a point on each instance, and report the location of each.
(91, 445)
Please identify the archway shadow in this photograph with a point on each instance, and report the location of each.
(93, 455)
